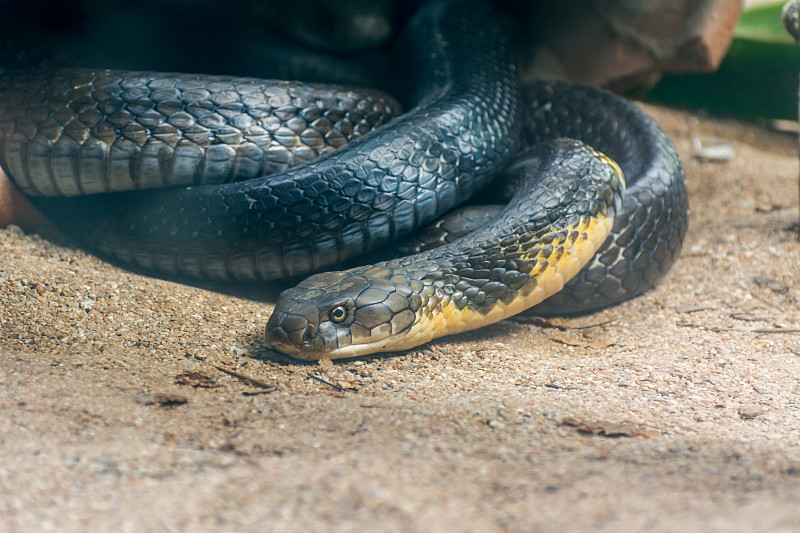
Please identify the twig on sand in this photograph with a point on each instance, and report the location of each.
(558, 324)
(248, 379)
(326, 382)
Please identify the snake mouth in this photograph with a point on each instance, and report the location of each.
(287, 342)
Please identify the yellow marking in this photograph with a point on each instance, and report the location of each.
(590, 235)
(613, 164)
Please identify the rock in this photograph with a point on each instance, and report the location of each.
(624, 43)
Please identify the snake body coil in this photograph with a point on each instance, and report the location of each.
(461, 130)
(124, 131)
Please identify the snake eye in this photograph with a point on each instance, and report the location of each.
(338, 314)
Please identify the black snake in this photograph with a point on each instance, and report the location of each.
(95, 131)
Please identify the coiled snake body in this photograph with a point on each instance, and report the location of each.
(86, 132)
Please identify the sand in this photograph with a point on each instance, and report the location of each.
(678, 411)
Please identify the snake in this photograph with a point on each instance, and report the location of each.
(576, 235)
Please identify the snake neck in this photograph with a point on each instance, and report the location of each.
(467, 295)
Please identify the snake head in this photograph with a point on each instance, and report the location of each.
(340, 314)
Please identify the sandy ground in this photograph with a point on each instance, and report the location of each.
(679, 411)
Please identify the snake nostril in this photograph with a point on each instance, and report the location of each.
(309, 334)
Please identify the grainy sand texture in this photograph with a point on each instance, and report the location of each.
(131, 403)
